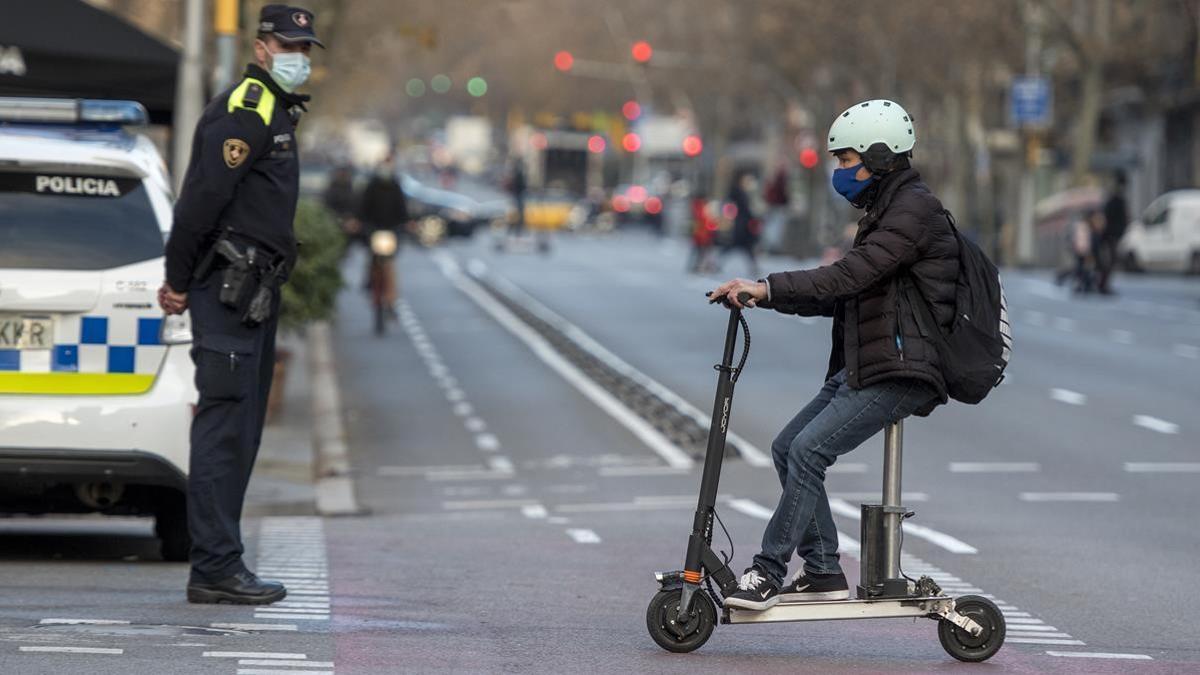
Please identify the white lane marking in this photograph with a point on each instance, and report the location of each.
(1044, 641)
(558, 520)
(1064, 324)
(302, 608)
(610, 471)
(535, 511)
(1040, 636)
(1032, 627)
(1015, 614)
(1186, 351)
(455, 395)
(755, 510)
(272, 671)
(262, 614)
(256, 626)
(486, 504)
(874, 496)
(671, 453)
(952, 544)
(848, 467)
(487, 442)
(750, 453)
(255, 655)
(1101, 655)
(73, 622)
(1068, 396)
(423, 470)
(463, 409)
(1162, 467)
(475, 424)
(285, 662)
(501, 464)
(1069, 497)
(1122, 337)
(583, 536)
(624, 506)
(477, 474)
(1155, 424)
(1023, 621)
(995, 467)
(74, 650)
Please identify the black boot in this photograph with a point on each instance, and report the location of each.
(243, 588)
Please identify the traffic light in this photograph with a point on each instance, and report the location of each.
(631, 110)
(809, 158)
(632, 142)
(642, 51)
(564, 61)
(692, 145)
(596, 144)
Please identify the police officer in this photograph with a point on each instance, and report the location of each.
(231, 247)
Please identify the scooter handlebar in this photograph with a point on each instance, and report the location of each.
(742, 297)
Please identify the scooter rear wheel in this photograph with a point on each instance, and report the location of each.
(973, 648)
(663, 624)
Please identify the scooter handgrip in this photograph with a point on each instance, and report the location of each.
(744, 297)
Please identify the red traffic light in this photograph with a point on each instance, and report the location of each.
(632, 142)
(642, 51)
(631, 110)
(563, 61)
(809, 158)
(596, 144)
(692, 146)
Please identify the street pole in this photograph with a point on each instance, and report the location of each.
(1033, 54)
(189, 89)
(225, 24)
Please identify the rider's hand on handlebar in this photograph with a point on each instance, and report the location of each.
(728, 293)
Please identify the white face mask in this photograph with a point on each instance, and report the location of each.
(290, 69)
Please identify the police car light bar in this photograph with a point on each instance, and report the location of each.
(71, 111)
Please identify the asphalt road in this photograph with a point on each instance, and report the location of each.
(517, 516)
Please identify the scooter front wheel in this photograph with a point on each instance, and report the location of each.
(662, 620)
(974, 648)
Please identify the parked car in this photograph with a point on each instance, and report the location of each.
(96, 392)
(1166, 237)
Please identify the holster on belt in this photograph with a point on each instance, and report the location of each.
(249, 277)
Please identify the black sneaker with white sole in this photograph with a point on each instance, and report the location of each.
(811, 587)
(755, 591)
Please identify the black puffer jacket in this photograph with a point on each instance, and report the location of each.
(876, 332)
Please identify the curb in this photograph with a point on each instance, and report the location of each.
(331, 469)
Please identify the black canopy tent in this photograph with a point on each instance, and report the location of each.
(68, 48)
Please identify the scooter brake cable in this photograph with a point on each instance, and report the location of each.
(745, 348)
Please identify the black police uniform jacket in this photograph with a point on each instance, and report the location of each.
(244, 174)
(877, 334)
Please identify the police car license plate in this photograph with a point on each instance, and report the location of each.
(26, 332)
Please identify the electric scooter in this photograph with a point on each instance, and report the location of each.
(683, 613)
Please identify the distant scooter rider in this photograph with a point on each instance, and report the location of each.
(882, 367)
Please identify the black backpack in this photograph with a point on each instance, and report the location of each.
(975, 351)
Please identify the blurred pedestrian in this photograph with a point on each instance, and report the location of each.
(1085, 236)
(1116, 220)
(777, 199)
(383, 207)
(704, 230)
(231, 248)
(339, 199)
(516, 187)
(743, 235)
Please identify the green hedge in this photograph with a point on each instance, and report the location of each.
(311, 292)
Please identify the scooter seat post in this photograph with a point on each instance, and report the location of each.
(893, 447)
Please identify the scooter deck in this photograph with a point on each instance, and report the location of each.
(841, 609)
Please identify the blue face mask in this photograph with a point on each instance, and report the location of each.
(847, 185)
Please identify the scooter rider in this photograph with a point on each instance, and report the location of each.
(882, 367)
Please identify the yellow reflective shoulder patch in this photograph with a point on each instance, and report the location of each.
(253, 95)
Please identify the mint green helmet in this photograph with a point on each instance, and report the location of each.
(876, 121)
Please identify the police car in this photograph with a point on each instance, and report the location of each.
(96, 388)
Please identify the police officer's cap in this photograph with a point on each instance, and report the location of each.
(289, 24)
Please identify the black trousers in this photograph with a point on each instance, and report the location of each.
(234, 368)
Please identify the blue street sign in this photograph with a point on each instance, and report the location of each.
(1030, 102)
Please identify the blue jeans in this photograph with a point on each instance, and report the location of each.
(837, 421)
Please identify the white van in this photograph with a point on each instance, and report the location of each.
(1167, 237)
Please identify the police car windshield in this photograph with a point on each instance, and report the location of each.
(74, 220)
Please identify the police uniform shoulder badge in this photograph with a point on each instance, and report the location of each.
(235, 150)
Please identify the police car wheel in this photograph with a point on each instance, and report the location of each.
(170, 524)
